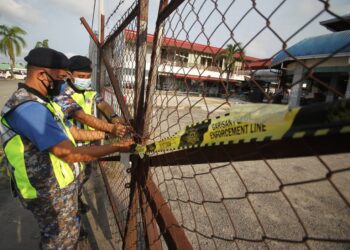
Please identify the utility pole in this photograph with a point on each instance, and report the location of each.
(101, 21)
(101, 28)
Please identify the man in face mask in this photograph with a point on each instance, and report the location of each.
(79, 101)
(81, 70)
(41, 154)
(79, 89)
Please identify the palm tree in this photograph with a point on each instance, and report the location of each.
(42, 44)
(11, 43)
(232, 54)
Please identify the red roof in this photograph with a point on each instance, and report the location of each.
(259, 64)
(171, 42)
(202, 78)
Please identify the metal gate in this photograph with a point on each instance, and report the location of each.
(197, 63)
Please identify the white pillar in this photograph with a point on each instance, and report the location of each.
(295, 93)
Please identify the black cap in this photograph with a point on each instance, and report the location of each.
(47, 58)
(80, 63)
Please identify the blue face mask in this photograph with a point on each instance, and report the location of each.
(63, 87)
(82, 83)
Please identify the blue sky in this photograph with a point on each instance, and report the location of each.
(58, 21)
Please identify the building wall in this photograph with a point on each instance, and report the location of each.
(173, 62)
(331, 62)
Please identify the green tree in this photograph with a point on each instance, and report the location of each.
(42, 44)
(232, 54)
(11, 43)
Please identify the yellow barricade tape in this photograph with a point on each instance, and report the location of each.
(258, 122)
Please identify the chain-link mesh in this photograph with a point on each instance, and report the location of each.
(205, 58)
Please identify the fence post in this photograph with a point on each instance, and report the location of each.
(130, 236)
(151, 232)
(141, 52)
(153, 72)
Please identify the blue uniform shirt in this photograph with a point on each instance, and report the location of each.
(35, 122)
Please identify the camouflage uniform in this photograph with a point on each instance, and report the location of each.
(54, 208)
(68, 105)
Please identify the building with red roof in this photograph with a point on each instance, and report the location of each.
(188, 66)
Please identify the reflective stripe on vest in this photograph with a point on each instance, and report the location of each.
(6, 134)
(86, 102)
(14, 150)
(56, 110)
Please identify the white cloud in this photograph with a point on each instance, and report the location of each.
(80, 8)
(13, 11)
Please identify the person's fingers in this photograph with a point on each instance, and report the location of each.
(126, 145)
(117, 120)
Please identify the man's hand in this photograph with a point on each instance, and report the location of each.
(116, 120)
(125, 145)
(66, 151)
(119, 130)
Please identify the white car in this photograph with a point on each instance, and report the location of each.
(19, 75)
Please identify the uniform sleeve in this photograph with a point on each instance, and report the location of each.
(35, 122)
(66, 102)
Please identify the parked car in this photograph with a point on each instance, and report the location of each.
(19, 75)
(2, 74)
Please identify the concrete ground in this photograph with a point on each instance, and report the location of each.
(221, 206)
(294, 203)
(274, 204)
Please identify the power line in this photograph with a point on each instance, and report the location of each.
(93, 15)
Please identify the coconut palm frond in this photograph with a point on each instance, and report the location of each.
(11, 42)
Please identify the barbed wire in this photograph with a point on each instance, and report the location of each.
(120, 3)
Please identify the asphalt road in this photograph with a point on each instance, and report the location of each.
(6, 89)
(18, 228)
(223, 200)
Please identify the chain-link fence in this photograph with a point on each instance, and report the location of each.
(169, 64)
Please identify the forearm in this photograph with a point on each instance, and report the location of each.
(90, 153)
(67, 152)
(93, 121)
(87, 135)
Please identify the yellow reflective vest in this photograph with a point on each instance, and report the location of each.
(14, 151)
(86, 101)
